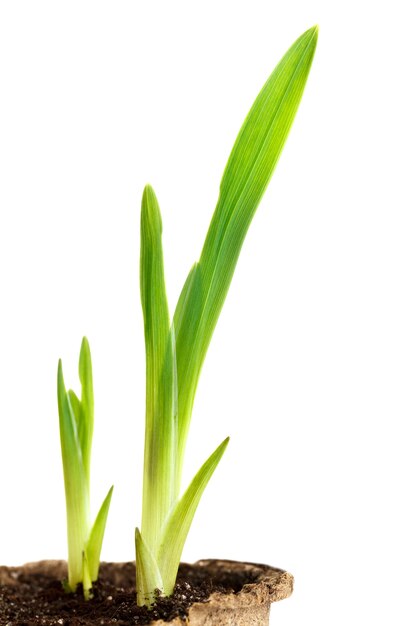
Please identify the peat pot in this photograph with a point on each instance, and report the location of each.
(208, 593)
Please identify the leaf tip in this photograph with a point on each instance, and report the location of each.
(60, 377)
(223, 446)
(85, 349)
(314, 31)
(307, 42)
(148, 196)
(150, 210)
(312, 35)
(85, 343)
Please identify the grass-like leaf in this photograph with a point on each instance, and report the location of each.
(160, 433)
(174, 357)
(77, 497)
(86, 424)
(148, 577)
(76, 420)
(248, 171)
(96, 537)
(87, 582)
(177, 527)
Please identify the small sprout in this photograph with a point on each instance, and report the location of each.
(76, 419)
(175, 351)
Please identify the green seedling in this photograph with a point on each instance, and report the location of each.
(175, 351)
(76, 418)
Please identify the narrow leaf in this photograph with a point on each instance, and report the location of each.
(76, 408)
(248, 171)
(86, 582)
(94, 544)
(179, 522)
(148, 577)
(76, 489)
(160, 430)
(186, 320)
(86, 422)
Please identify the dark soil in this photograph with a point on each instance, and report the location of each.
(34, 595)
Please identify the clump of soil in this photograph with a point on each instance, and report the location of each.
(33, 595)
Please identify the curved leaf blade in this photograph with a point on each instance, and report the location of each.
(96, 537)
(179, 522)
(248, 171)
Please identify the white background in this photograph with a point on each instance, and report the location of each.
(96, 100)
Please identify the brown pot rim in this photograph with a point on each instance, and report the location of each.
(273, 583)
(263, 585)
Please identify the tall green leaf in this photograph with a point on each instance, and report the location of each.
(248, 171)
(76, 492)
(160, 431)
(186, 319)
(86, 425)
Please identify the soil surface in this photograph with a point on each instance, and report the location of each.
(33, 594)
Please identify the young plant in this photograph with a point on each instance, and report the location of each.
(76, 418)
(175, 351)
